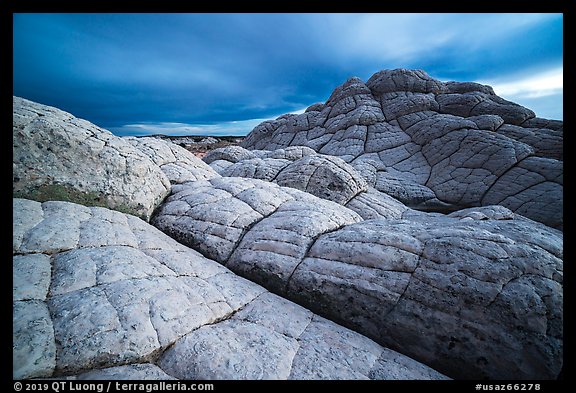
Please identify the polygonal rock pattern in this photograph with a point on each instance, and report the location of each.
(289, 342)
(57, 156)
(177, 163)
(327, 177)
(473, 297)
(257, 164)
(101, 295)
(324, 176)
(228, 153)
(532, 188)
(545, 142)
(213, 216)
(375, 204)
(434, 146)
(234, 154)
(472, 99)
(460, 292)
(255, 168)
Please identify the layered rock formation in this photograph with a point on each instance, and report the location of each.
(433, 145)
(97, 289)
(178, 164)
(299, 167)
(476, 293)
(57, 156)
(462, 293)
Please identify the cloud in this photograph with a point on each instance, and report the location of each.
(406, 38)
(229, 128)
(178, 129)
(199, 70)
(299, 112)
(549, 107)
(540, 90)
(545, 83)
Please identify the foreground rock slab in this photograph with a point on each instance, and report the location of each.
(101, 294)
(432, 145)
(474, 299)
(57, 156)
(475, 294)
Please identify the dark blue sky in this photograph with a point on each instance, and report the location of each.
(224, 73)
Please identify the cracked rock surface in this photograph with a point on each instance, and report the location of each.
(213, 216)
(177, 163)
(348, 227)
(300, 167)
(57, 156)
(99, 294)
(432, 145)
(466, 296)
(461, 293)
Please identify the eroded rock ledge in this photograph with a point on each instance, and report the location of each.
(421, 140)
(462, 293)
(60, 157)
(100, 294)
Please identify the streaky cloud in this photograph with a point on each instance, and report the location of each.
(229, 128)
(204, 70)
(233, 128)
(545, 83)
(542, 91)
